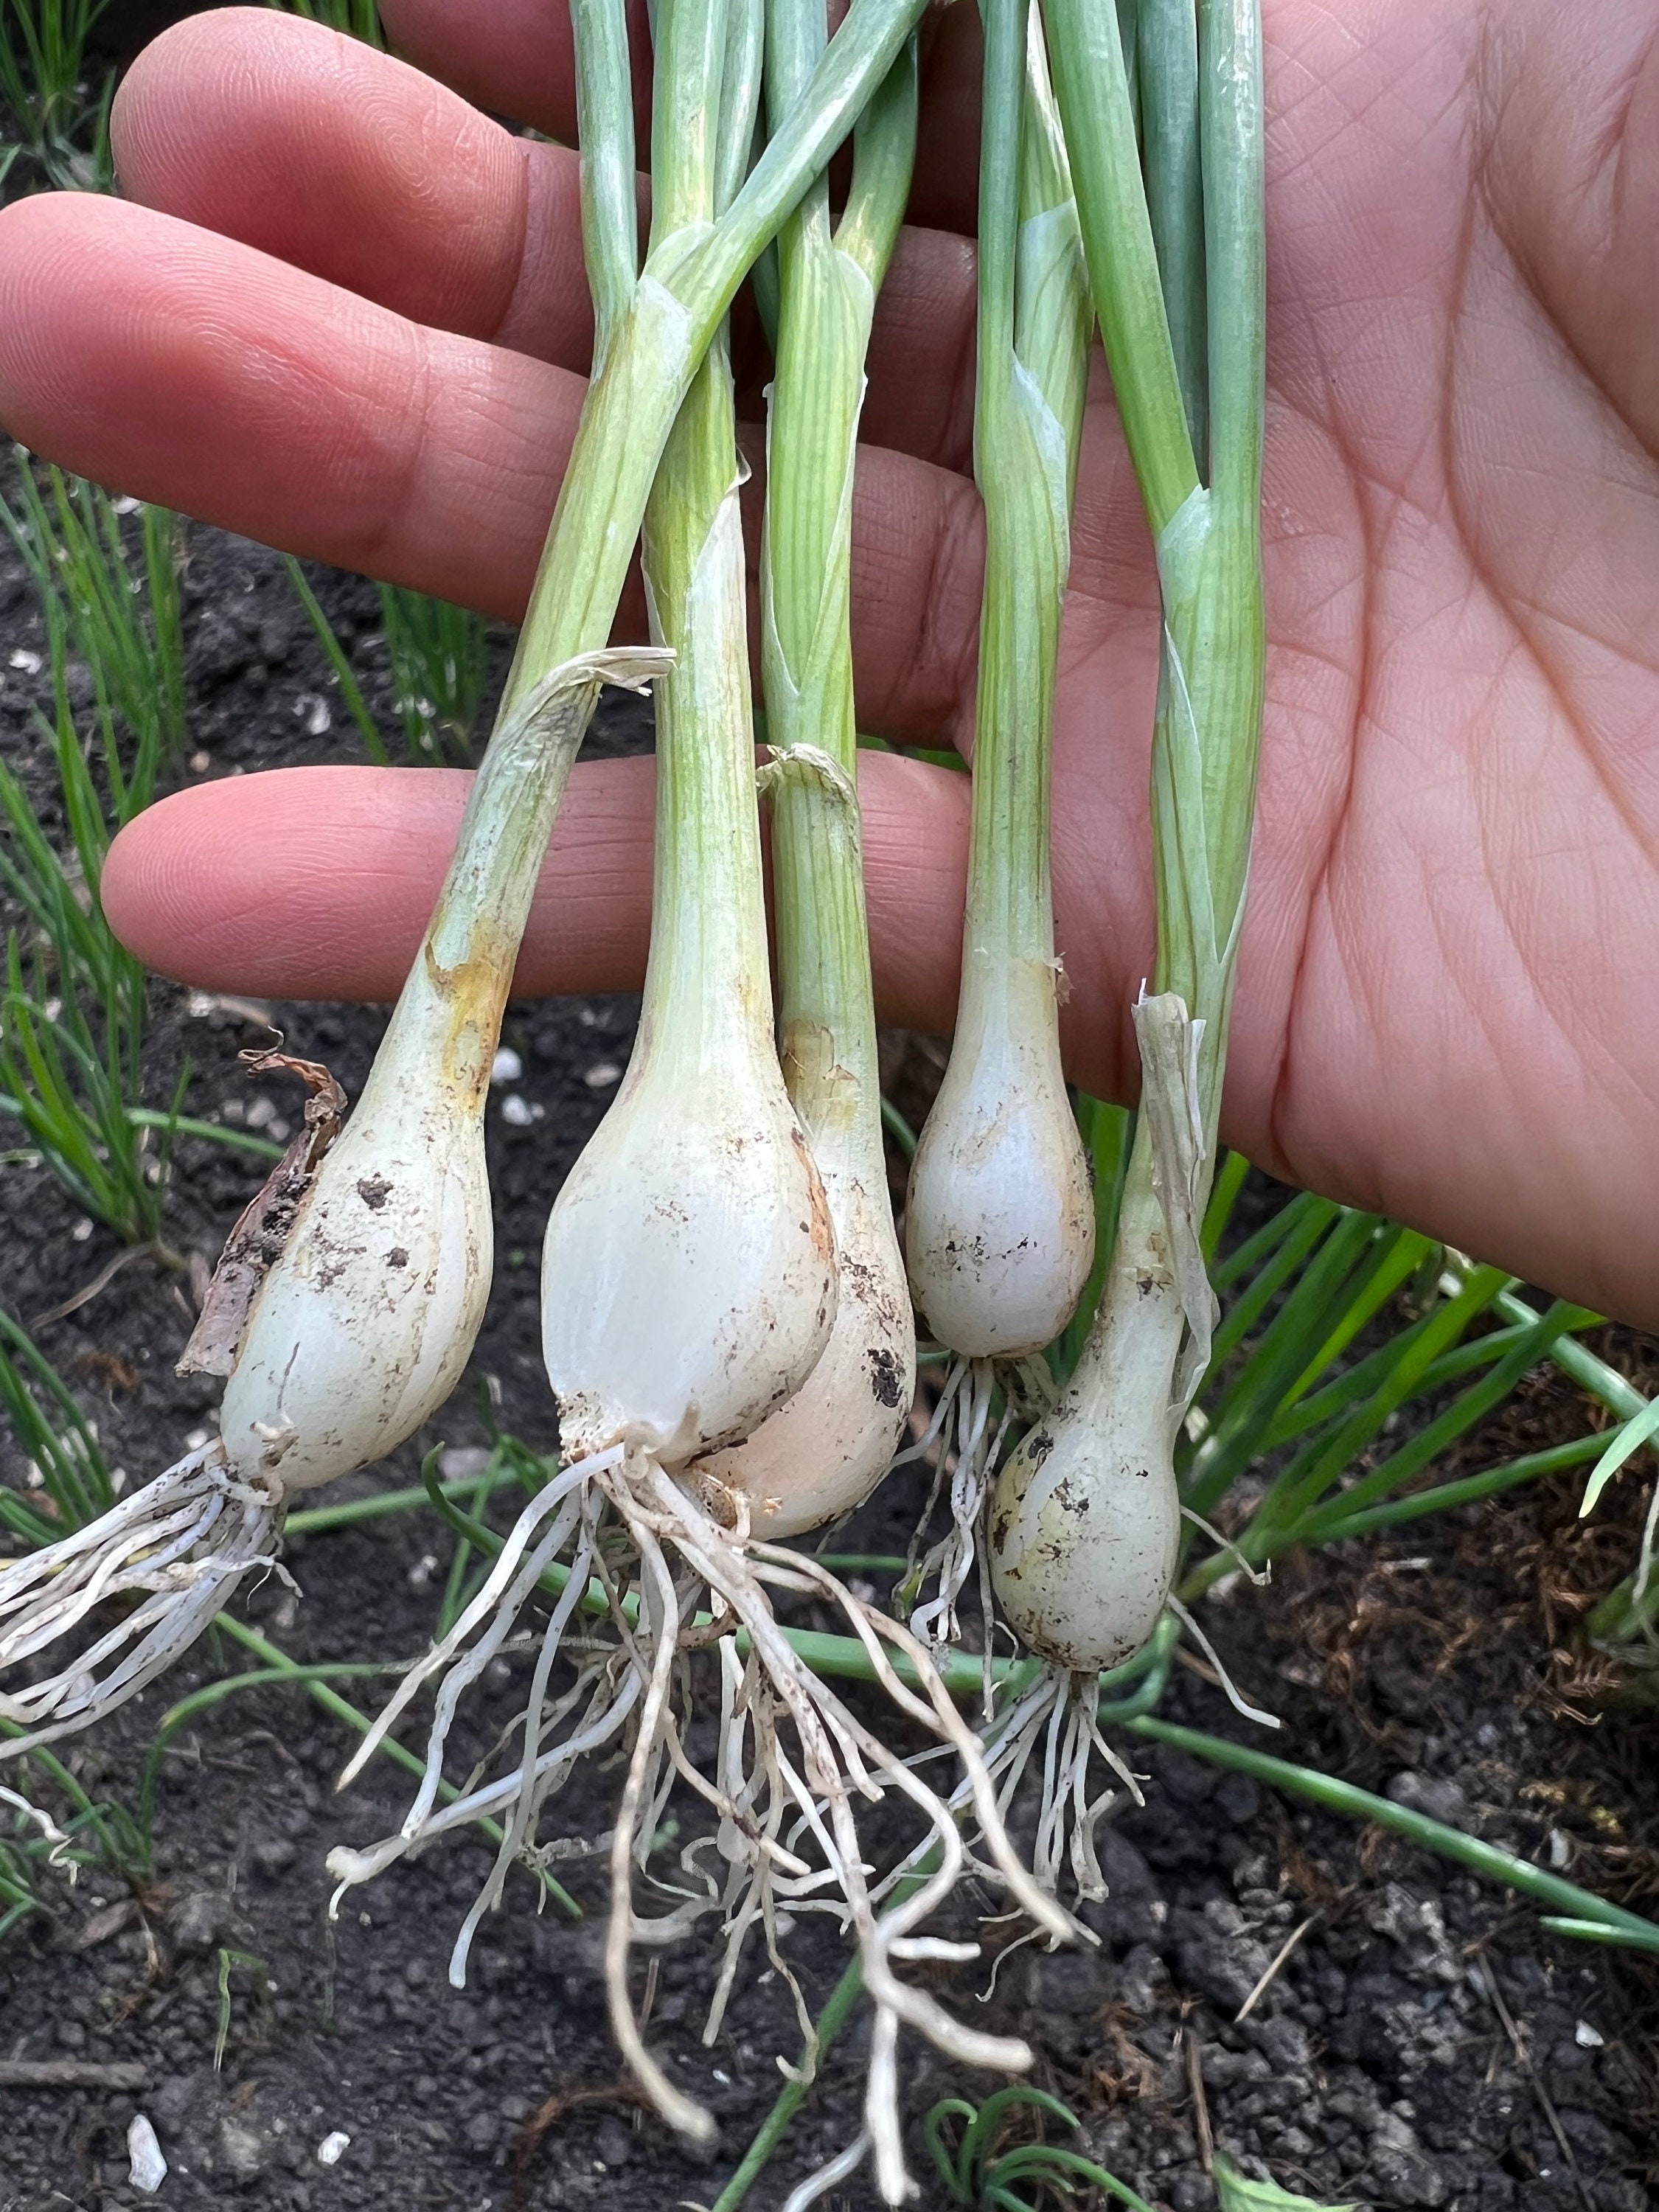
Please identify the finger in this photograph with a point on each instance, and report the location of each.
(516, 57)
(187, 369)
(319, 883)
(513, 58)
(360, 169)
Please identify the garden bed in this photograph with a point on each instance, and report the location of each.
(1282, 1975)
(1420, 2043)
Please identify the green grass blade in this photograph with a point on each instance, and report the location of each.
(1236, 2192)
(1490, 1483)
(1345, 1798)
(1321, 1408)
(437, 655)
(215, 1693)
(1324, 1462)
(1592, 1931)
(1472, 1405)
(1256, 1248)
(1230, 1180)
(350, 690)
(1622, 1448)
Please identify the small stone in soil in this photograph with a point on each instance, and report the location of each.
(245, 2150)
(1439, 1799)
(146, 2168)
(613, 2142)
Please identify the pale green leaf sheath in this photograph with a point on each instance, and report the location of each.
(820, 1455)
(688, 1275)
(1085, 1519)
(1000, 1216)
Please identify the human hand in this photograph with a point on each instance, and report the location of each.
(346, 314)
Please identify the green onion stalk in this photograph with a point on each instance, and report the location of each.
(1086, 1517)
(689, 1288)
(1000, 1216)
(655, 322)
(820, 1455)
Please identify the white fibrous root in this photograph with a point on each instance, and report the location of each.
(793, 1764)
(1052, 1725)
(181, 1544)
(350, 1294)
(557, 1531)
(979, 1402)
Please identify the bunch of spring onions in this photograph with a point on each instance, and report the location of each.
(727, 1322)
(350, 1293)
(724, 1326)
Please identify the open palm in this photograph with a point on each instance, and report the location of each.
(347, 315)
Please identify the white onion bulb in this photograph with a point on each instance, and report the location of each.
(688, 1268)
(365, 1319)
(1084, 1518)
(1000, 1225)
(360, 1333)
(824, 1451)
(688, 1282)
